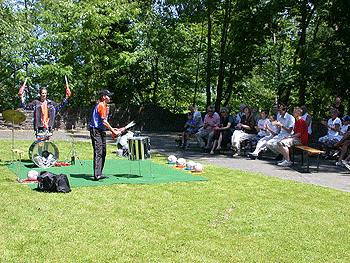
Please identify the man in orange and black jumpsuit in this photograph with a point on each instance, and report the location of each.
(44, 111)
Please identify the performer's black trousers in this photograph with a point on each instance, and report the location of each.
(98, 138)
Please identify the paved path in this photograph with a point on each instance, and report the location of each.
(161, 143)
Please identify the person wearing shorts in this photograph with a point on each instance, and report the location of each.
(190, 129)
(299, 137)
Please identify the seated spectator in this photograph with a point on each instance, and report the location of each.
(246, 130)
(255, 113)
(240, 114)
(334, 125)
(285, 124)
(344, 146)
(197, 116)
(190, 129)
(344, 129)
(260, 128)
(211, 120)
(270, 131)
(299, 137)
(224, 131)
(339, 106)
(307, 118)
(275, 109)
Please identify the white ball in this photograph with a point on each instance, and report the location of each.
(181, 162)
(32, 175)
(172, 159)
(190, 165)
(198, 167)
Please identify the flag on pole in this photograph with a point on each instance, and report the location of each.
(68, 91)
(21, 90)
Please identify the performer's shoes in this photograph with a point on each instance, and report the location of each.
(100, 177)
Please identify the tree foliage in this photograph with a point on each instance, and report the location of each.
(174, 52)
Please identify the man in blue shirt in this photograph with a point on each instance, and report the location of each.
(99, 123)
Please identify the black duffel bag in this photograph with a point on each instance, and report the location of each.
(49, 182)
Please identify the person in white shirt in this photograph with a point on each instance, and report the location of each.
(261, 122)
(307, 118)
(285, 123)
(334, 125)
(344, 129)
(271, 131)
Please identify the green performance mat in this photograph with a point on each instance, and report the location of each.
(120, 171)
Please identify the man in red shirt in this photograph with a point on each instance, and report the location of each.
(299, 137)
(99, 123)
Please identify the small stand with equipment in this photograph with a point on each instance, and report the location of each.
(139, 150)
(13, 116)
(73, 153)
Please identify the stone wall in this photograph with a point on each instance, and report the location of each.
(147, 118)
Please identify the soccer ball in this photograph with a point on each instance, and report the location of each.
(190, 165)
(32, 175)
(181, 162)
(198, 167)
(172, 159)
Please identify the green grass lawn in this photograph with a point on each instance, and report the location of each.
(235, 217)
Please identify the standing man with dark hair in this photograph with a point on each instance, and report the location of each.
(98, 125)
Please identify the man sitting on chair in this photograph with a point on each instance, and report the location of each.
(44, 112)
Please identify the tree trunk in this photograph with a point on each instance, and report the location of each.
(221, 73)
(209, 58)
(300, 50)
(198, 67)
(156, 79)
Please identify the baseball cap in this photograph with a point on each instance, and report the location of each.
(346, 118)
(105, 92)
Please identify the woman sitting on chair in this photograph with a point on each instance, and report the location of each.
(246, 131)
(224, 131)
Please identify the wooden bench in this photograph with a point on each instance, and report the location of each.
(309, 151)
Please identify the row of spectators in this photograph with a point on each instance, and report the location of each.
(277, 131)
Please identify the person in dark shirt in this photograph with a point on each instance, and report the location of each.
(44, 111)
(339, 106)
(224, 131)
(246, 130)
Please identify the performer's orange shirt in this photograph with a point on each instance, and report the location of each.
(100, 112)
(45, 113)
